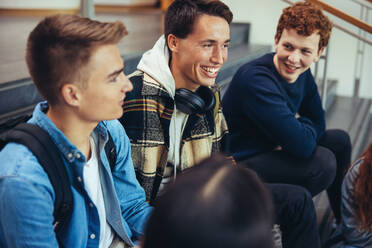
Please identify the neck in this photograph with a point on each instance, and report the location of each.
(179, 80)
(275, 60)
(76, 130)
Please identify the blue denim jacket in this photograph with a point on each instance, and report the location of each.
(27, 196)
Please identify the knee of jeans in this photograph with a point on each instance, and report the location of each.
(324, 166)
(300, 200)
(342, 138)
(298, 194)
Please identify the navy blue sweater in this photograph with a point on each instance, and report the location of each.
(260, 109)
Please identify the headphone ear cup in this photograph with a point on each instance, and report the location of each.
(208, 98)
(188, 102)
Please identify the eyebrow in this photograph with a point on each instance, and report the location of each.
(307, 48)
(214, 41)
(117, 72)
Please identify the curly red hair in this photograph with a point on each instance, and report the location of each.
(363, 192)
(306, 18)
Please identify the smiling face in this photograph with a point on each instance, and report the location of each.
(295, 53)
(197, 58)
(103, 97)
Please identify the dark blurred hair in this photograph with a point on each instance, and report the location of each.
(306, 18)
(60, 47)
(363, 191)
(182, 14)
(214, 204)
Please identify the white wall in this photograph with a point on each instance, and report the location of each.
(64, 4)
(125, 2)
(40, 4)
(264, 14)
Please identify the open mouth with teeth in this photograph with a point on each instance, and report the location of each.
(210, 71)
(290, 68)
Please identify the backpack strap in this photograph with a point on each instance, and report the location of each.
(110, 152)
(42, 146)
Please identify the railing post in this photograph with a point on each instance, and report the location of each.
(358, 69)
(316, 71)
(324, 79)
(87, 8)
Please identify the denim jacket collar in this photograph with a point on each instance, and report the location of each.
(70, 152)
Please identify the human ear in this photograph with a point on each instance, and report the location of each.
(276, 42)
(70, 94)
(320, 52)
(173, 42)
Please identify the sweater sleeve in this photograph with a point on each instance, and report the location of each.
(311, 107)
(264, 104)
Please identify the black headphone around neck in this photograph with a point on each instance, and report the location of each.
(198, 102)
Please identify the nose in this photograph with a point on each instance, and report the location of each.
(294, 57)
(219, 55)
(127, 84)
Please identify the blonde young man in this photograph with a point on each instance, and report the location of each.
(76, 66)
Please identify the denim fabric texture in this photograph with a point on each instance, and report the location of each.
(27, 196)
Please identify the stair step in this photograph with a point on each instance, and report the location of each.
(352, 115)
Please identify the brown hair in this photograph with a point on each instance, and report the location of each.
(182, 14)
(59, 48)
(363, 191)
(212, 204)
(305, 18)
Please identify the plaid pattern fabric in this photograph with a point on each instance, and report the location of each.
(148, 110)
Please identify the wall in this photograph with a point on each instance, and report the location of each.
(64, 4)
(125, 2)
(264, 14)
(40, 4)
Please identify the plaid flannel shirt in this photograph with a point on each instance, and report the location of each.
(147, 114)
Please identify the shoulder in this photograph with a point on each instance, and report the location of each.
(260, 71)
(17, 159)
(353, 172)
(19, 164)
(350, 179)
(141, 79)
(144, 86)
(116, 130)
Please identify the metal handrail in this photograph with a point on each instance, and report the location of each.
(352, 34)
(340, 14)
(368, 6)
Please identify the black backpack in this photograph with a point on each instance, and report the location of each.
(42, 146)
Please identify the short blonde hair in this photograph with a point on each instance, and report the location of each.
(60, 47)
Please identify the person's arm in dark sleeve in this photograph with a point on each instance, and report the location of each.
(311, 108)
(263, 103)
